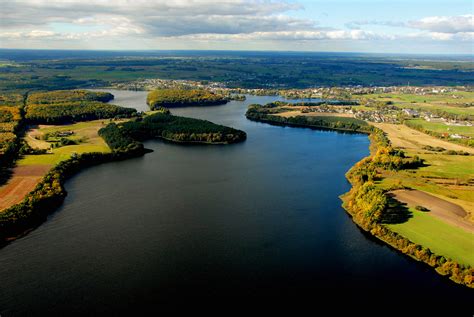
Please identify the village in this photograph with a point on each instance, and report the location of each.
(374, 104)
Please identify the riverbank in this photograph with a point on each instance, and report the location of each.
(368, 202)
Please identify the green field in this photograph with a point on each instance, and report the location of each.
(84, 131)
(449, 241)
(447, 166)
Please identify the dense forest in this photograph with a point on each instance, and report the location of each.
(181, 98)
(118, 139)
(10, 118)
(58, 107)
(75, 111)
(65, 96)
(169, 127)
(11, 99)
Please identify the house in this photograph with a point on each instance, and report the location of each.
(411, 112)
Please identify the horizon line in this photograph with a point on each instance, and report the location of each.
(237, 50)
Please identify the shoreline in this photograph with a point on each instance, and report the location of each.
(20, 219)
(312, 127)
(442, 265)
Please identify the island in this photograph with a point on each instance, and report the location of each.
(170, 98)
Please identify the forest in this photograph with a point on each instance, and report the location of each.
(181, 98)
(58, 107)
(67, 112)
(65, 96)
(10, 117)
(168, 127)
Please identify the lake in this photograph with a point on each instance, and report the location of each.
(252, 221)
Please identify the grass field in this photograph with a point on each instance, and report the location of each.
(84, 131)
(441, 127)
(447, 166)
(440, 237)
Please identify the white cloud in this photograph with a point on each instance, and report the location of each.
(359, 24)
(202, 20)
(445, 24)
(290, 36)
(33, 34)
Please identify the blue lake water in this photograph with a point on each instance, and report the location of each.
(258, 220)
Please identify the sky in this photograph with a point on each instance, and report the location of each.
(379, 26)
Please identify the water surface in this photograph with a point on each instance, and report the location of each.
(251, 221)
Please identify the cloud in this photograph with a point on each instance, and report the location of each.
(201, 20)
(437, 27)
(159, 17)
(445, 24)
(359, 24)
(291, 36)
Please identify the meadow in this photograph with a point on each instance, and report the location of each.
(440, 237)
